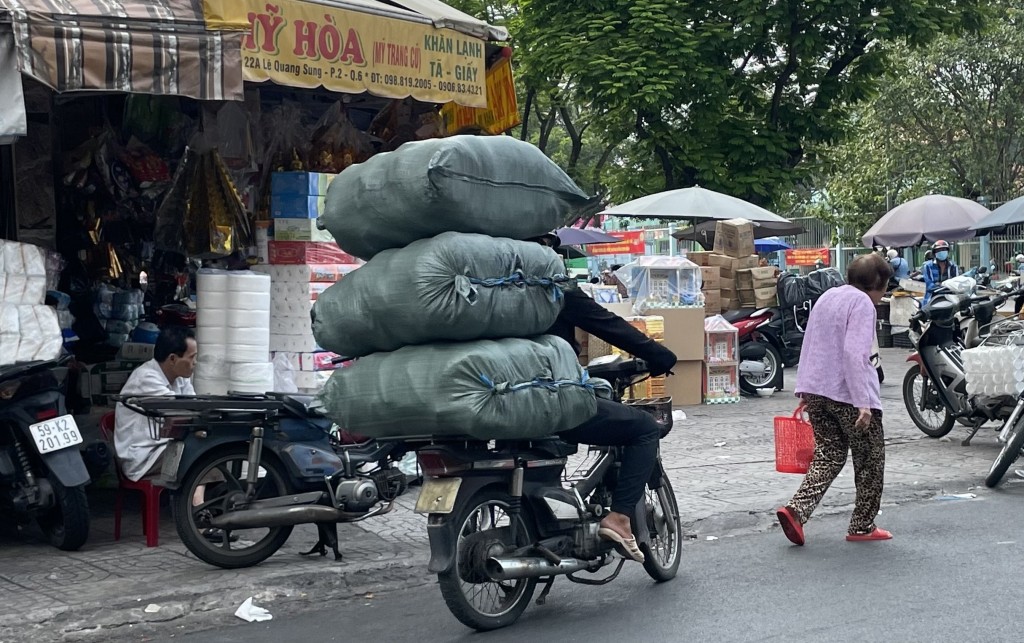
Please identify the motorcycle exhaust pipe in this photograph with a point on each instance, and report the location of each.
(501, 569)
(278, 517)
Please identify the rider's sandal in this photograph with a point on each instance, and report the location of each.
(875, 534)
(627, 545)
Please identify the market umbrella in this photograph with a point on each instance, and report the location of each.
(1005, 215)
(584, 236)
(704, 233)
(770, 244)
(694, 204)
(928, 218)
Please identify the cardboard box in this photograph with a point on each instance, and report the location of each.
(734, 238)
(727, 283)
(699, 257)
(686, 384)
(300, 230)
(712, 277)
(622, 309)
(684, 332)
(755, 277)
(302, 252)
(728, 303)
(766, 297)
(135, 352)
(296, 207)
(712, 302)
(300, 183)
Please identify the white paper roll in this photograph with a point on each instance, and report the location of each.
(212, 369)
(238, 353)
(213, 350)
(212, 318)
(248, 301)
(206, 335)
(252, 282)
(212, 281)
(208, 386)
(239, 321)
(254, 377)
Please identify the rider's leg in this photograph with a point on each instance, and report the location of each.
(619, 425)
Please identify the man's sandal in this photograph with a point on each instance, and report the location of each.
(627, 545)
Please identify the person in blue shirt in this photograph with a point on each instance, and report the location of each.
(938, 269)
(900, 267)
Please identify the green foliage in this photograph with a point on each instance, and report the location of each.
(948, 121)
(725, 95)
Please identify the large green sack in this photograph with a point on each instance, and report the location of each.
(454, 287)
(493, 185)
(487, 389)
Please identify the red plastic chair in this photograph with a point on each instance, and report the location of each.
(150, 493)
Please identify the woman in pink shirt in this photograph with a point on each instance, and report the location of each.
(839, 388)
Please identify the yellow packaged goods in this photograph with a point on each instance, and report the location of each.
(734, 238)
(711, 277)
(651, 325)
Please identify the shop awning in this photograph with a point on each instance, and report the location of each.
(447, 17)
(141, 46)
(355, 46)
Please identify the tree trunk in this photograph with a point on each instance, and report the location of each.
(577, 141)
(524, 133)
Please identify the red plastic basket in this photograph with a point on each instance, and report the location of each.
(794, 443)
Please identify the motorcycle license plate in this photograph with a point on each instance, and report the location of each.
(56, 434)
(438, 495)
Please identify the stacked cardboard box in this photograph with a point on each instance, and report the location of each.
(711, 282)
(757, 287)
(304, 261)
(683, 334)
(728, 268)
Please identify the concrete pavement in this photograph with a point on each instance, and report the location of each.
(721, 462)
(949, 575)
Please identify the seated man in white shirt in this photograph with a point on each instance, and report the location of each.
(168, 373)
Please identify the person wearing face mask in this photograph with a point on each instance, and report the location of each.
(938, 269)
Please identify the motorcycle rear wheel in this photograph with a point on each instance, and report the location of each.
(192, 521)
(1007, 456)
(470, 595)
(773, 373)
(913, 388)
(663, 554)
(66, 525)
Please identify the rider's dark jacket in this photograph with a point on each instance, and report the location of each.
(580, 311)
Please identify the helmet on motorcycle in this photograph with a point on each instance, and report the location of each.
(892, 254)
(1019, 258)
(940, 245)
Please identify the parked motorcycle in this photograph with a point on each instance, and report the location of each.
(761, 358)
(42, 473)
(771, 338)
(935, 387)
(245, 469)
(500, 518)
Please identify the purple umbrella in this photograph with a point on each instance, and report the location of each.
(584, 236)
(928, 218)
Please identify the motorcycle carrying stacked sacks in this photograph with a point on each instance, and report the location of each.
(463, 310)
(493, 185)
(454, 287)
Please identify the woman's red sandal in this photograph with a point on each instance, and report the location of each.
(791, 525)
(877, 534)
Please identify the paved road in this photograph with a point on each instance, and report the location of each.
(951, 574)
(720, 462)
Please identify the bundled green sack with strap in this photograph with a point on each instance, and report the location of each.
(454, 287)
(493, 185)
(487, 389)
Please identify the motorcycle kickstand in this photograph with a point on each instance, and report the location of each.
(974, 431)
(543, 598)
(328, 532)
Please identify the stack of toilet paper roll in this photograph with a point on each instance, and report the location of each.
(233, 333)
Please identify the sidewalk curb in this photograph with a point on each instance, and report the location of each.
(213, 603)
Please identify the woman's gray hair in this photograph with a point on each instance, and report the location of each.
(869, 272)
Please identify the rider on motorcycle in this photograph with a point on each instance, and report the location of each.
(615, 424)
(938, 270)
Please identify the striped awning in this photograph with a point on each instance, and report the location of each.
(139, 46)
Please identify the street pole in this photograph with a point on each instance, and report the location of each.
(984, 250)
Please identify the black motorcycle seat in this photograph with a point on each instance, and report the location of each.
(301, 405)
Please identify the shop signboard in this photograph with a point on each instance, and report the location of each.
(807, 256)
(502, 111)
(632, 243)
(303, 44)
